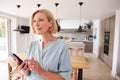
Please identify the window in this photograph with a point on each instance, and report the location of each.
(4, 37)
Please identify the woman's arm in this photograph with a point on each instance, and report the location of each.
(51, 75)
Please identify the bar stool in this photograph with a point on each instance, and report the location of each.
(74, 75)
(79, 51)
(70, 50)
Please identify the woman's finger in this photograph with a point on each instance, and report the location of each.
(32, 67)
(25, 67)
(21, 65)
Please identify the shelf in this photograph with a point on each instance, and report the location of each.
(76, 31)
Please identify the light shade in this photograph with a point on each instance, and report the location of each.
(18, 29)
(58, 26)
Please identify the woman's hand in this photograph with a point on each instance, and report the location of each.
(23, 67)
(34, 66)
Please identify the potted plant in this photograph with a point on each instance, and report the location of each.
(89, 24)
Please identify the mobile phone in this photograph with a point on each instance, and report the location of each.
(15, 57)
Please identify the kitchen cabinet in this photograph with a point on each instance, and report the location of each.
(102, 40)
(111, 43)
(88, 46)
(107, 26)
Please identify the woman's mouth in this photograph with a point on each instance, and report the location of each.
(38, 28)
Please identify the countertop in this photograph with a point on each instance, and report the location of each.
(82, 41)
(76, 43)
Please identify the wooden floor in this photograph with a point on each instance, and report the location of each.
(98, 70)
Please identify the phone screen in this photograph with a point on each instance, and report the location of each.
(15, 57)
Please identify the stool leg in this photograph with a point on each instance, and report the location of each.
(74, 74)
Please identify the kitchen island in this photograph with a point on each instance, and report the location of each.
(88, 45)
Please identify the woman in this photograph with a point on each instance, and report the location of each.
(48, 58)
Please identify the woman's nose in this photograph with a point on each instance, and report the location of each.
(37, 23)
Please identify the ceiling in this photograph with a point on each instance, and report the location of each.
(67, 9)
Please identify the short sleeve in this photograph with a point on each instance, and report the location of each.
(65, 66)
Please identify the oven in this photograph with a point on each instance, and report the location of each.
(106, 42)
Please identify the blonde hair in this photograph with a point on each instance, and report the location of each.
(49, 16)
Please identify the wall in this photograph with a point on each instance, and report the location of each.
(19, 42)
(22, 39)
(118, 63)
(116, 50)
(72, 24)
(96, 40)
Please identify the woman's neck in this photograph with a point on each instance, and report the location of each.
(46, 38)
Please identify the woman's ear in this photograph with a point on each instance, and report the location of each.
(50, 23)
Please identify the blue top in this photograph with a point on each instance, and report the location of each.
(53, 57)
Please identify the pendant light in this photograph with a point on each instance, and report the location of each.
(58, 26)
(38, 5)
(80, 27)
(18, 27)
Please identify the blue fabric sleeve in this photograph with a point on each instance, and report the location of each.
(65, 67)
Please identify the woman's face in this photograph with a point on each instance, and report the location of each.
(41, 24)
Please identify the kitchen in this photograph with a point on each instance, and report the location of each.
(67, 24)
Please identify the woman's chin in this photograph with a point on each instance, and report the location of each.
(38, 32)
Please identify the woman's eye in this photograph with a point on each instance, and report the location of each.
(37, 20)
(34, 20)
